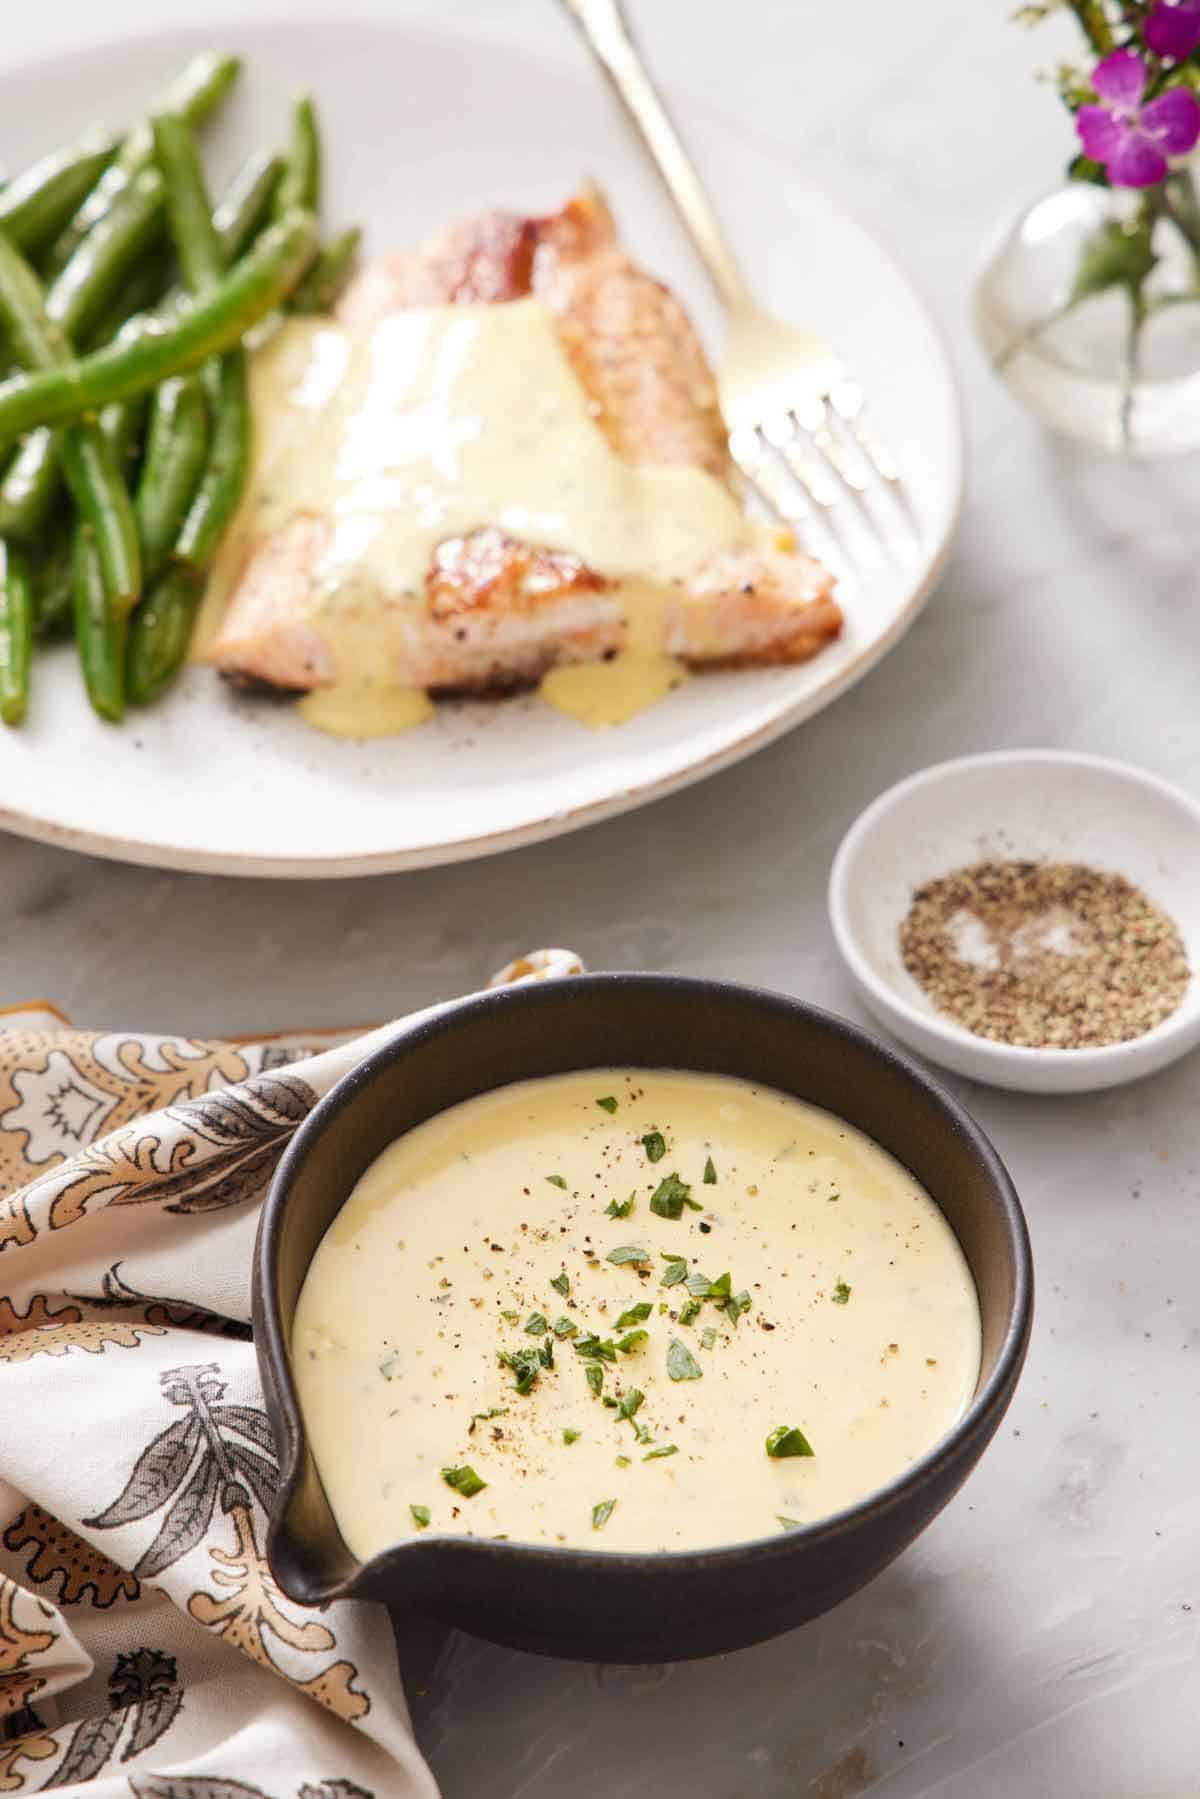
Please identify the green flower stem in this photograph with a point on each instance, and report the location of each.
(1094, 24)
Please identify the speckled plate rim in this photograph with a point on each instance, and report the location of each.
(1007, 1058)
(146, 850)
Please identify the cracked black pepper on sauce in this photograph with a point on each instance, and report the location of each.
(579, 1302)
(1044, 954)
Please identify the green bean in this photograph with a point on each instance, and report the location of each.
(30, 487)
(189, 208)
(52, 588)
(329, 275)
(87, 462)
(247, 203)
(144, 286)
(16, 634)
(196, 93)
(150, 352)
(176, 450)
(100, 630)
(228, 463)
(161, 632)
(301, 182)
(36, 205)
(105, 259)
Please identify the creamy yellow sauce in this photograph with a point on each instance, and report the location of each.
(441, 419)
(859, 1325)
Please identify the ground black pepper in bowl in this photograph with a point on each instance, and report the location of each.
(1048, 955)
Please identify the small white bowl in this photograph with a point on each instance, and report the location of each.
(1040, 805)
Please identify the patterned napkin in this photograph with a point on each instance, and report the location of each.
(144, 1648)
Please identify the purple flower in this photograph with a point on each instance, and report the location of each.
(1173, 29)
(1131, 140)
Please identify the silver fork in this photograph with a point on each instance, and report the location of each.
(798, 423)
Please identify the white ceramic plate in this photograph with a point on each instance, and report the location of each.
(421, 127)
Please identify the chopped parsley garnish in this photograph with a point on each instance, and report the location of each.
(556, 1180)
(710, 1173)
(632, 1340)
(690, 1311)
(721, 1288)
(630, 1402)
(464, 1480)
(619, 1208)
(390, 1365)
(656, 1455)
(787, 1440)
(655, 1146)
(594, 1373)
(536, 1325)
(497, 1411)
(841, 1294)
(610, 1402)
(546, 1353)
(681, 1363)
(670, 1196)
(735, 1305)
(562, 1285)
(628, 1252)
(699, 1285)
(570, 1436)
(608, 1103)
(708, 1336)
(602, 1513)
(565, 1327)
(510, 1317)
(623, 1461)
(675, 1271)
(832, 1198)
(789, 1523)
(526, 1365)
(595, 1349)
(421, 1515)
(637, 1314)
(643, 1433)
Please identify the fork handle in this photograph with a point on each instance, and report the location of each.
(606, 31)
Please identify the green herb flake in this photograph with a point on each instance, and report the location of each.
(721, 1288)
(833, 1199)
(661, 1450)
(789, 1523)
(690, 1311)
(556, 1180)
(565, 1327)
(421, 1516)
(510, 1317)
(710, 1173)
(681, 1363)
(570, 1436)
(390, 1365)
(595, 1349)
(630, 1404)
(619, 1208)
(628, 1252)
(670, 1196)
(655, 1146)
(708, 1337)
(546, 1353)
(594, 1373)
(602, 1513)
(526, 1365)
(643, 1433)
(536, 1325)
(608, 1103)
(787, 1440)
(631, 1341)
(699, 1285)
(610, 1402)
(735, 1305)
(841, 1294)
(562, 1285)
(464, 1480)
(637, 1314)
(675, 1271)
(623, 1461)
(497, 1411)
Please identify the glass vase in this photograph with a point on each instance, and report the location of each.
(1088, 308)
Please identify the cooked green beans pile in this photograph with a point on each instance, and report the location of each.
(125, 428)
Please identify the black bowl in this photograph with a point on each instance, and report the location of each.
(578, 1602)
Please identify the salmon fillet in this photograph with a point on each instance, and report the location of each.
(497, 613)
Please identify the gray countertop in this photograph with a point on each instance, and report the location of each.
(1040, 1638)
